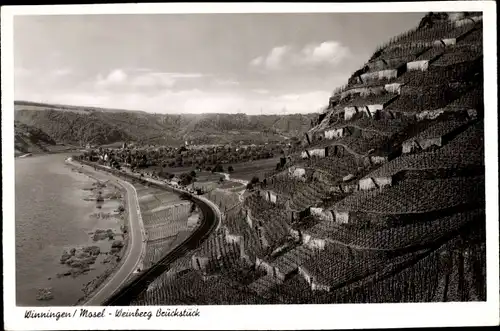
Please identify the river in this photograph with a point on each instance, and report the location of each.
(51, 216)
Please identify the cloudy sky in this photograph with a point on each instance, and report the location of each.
(196, 63)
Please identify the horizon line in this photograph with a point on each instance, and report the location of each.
(277, 113)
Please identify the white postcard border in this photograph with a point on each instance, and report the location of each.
(268, 317)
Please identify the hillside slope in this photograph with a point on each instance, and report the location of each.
(81, 125)
(28, 139)
(385, 202)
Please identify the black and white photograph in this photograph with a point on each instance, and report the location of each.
(171, 162)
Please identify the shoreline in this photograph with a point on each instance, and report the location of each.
(35, 154)
(112, 259)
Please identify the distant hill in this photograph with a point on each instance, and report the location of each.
(29, 139)
(81, 125)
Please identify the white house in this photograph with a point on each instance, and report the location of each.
(313, 242)
(378, 75)
(310, 279)
(272, 196)
(393, 88)
(297, 172)
(370, 183)
(349, 112)
(319, 152)
(411, 145)
(249, 218)
(377, 159)
(334, 133)
(341, 216)
(445, 42)
(324, 215)
(421, 65)
(372, 110)
(429, 114)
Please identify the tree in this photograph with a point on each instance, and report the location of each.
(218, 168)
(186, 179)
(185, 196)
(221, 179)
(254, 180)
(230, 169)
(193, 173)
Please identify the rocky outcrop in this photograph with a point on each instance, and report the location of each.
(45, 294)
(116, 246)
(101, 234)
(79, 260)
(92, 250)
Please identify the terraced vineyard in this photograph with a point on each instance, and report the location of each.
(417, 196)
(165, 217)
(385, 201)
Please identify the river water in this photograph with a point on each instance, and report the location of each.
(50, 216)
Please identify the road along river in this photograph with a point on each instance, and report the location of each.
(120, 294)
(135, 247)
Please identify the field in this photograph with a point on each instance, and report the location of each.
(259, 168)
(245, 170)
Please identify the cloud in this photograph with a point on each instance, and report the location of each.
(187, 101)
(62, 72)
(258, 61)
(115, 77)
(184, 75)
(311, 55)
(143, 77)
(226, 82)
(156, 91)
(331, 52)
(308, 101)
(276, 58)
(154, 79)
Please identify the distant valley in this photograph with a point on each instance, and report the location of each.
(100, 126)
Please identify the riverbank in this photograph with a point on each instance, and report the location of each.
(109, 236)
(107, 240)
(55, 212)
(19, 154)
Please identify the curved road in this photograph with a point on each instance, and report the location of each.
(135, 246)
(116, 292)
(132, 290)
